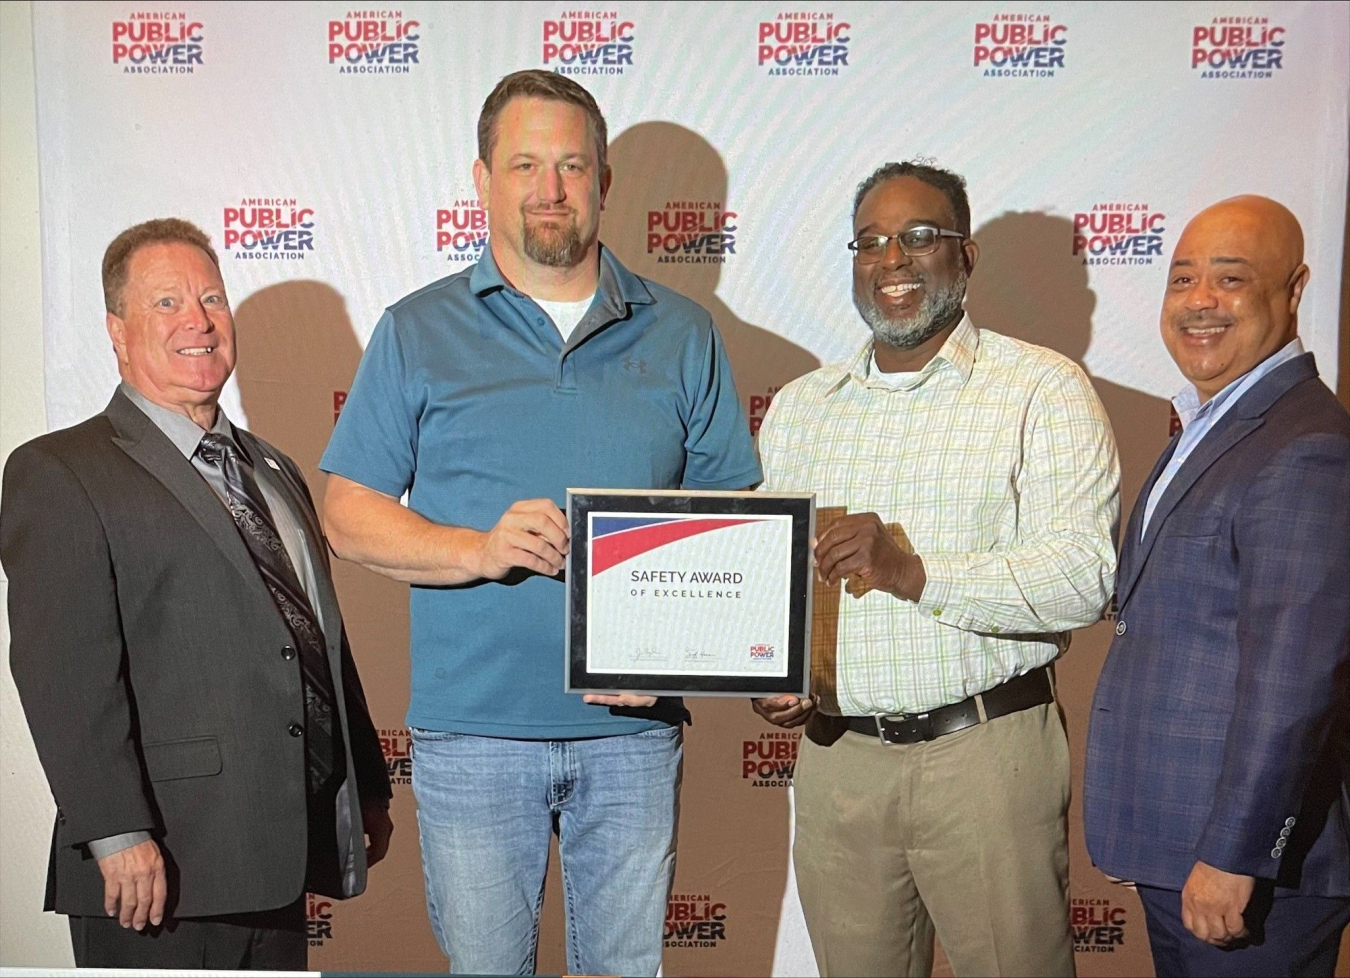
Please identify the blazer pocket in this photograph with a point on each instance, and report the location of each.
(195, 757)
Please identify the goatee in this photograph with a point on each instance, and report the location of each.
(935, 313)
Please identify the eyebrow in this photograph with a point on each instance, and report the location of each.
(530, 155)
(1217, 260)
(916, 222)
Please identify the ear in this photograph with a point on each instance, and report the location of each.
(606, 178)
(117, 332)
(482, 179)
(1297, 283)
(970, 254)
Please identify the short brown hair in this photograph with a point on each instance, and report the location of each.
(133, 239)
(536, 83)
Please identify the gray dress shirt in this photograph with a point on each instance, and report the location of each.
(186, 435)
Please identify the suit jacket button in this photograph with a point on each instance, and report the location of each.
(1284, 832)
(295, 730)
(1289, 822)
(1120, 628)
(1275, 853)
(287, 653)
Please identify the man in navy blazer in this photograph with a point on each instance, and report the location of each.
(1219, 742)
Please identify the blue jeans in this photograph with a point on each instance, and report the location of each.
(486, 808)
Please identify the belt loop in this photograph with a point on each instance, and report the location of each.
(979, 707)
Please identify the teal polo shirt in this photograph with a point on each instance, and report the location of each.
(468, 399)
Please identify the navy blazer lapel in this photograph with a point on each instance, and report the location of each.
(1241, 420)
(1130, 554)
(141, 439)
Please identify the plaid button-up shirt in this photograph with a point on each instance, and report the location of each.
(998, 461)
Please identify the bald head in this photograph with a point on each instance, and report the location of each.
(1257, 228)
(1234, 285)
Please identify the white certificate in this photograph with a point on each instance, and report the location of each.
(688, 592)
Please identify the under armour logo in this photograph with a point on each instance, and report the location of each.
(630, 364)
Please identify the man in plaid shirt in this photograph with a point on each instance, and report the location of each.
(980, 485)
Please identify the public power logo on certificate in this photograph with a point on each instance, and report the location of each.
(682, 595)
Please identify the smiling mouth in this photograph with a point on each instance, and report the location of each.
(900, 288)
(196, 351)
(1205, 330)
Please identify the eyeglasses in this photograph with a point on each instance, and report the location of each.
(920, 240)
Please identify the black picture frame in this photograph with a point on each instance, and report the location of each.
(582, 503)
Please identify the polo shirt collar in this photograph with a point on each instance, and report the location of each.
(958, 353)
(618, 287)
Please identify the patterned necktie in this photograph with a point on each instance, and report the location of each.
(325, 758)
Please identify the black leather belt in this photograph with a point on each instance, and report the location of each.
(1020, 693)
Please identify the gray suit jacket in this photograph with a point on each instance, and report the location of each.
(147, 653)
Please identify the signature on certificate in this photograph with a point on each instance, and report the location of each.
(698, 655)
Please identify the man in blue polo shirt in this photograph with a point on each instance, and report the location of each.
(483, 396)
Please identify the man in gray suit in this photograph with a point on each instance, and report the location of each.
(179, 652)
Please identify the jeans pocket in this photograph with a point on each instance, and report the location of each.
(430, 739)
(668, 731)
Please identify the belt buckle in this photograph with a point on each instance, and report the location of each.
(920, 723)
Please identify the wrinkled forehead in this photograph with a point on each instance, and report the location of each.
(543, 127)
(168, 262)
(901, 201)
(1241, 233)
(1223, 234)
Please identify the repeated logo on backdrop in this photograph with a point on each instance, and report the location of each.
(1119, 233)
(374, 42)
(396, 745)
(269, 229)
(769, 761)
(461, 230)
(804, 42)
(318, 919)
(692, 232)
(1020, 46)
(1098, 925)
(695, 920)
(588, 42)
(758, 408)
(157, 42)
(1237, 47)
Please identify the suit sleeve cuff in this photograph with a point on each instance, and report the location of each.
(102, 848)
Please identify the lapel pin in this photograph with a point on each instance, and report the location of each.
(271, 463)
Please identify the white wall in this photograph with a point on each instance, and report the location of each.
(27, 935)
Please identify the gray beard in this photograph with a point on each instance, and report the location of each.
(933, 315)
(560, 248)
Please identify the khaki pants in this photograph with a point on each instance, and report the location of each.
(965, 835)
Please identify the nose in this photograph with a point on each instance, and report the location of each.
(894, 256)
(1201, 295)
(196, 316)
(550, 190)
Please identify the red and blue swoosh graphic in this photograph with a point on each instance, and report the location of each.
(615, 539)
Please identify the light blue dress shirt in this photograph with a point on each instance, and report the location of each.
(1197, 420)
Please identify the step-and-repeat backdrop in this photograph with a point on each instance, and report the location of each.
(327, 149)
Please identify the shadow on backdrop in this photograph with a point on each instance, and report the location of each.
(732, 851)
(656, 163)
(1029, 285)
(297, 349)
